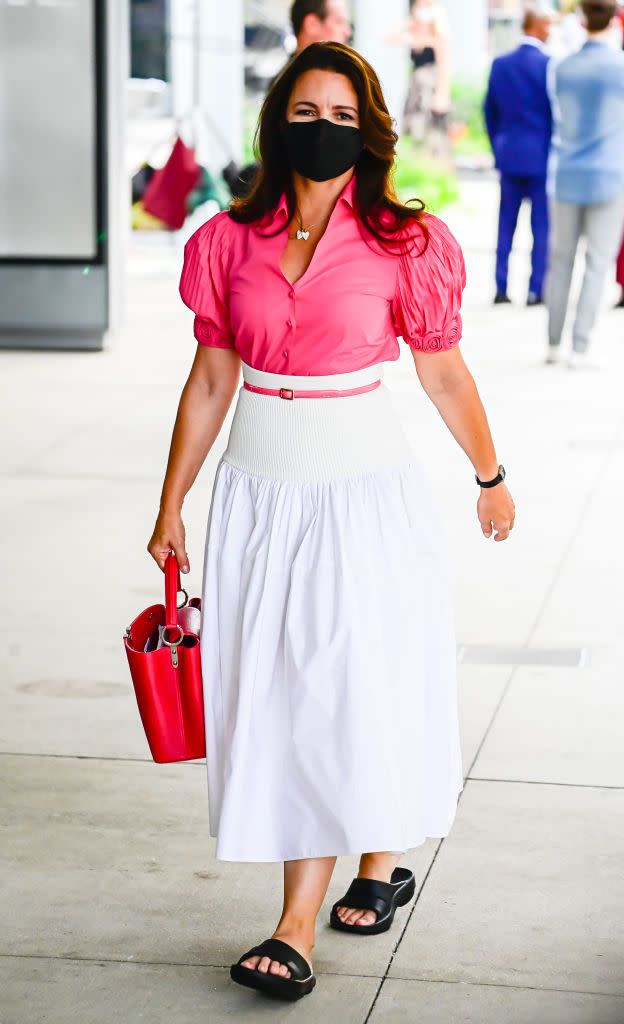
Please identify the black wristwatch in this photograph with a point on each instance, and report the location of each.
(492, 483)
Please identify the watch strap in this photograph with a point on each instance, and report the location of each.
(492, 483)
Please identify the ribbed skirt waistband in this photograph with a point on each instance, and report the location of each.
(316, 439)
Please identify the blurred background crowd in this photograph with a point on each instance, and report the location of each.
(443, 70)
(138, 117)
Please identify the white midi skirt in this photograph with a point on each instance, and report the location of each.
(327, 640)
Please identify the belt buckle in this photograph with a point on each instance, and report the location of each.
(287, 393)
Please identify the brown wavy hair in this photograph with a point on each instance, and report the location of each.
(380, 211)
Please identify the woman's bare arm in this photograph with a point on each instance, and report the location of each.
(449, 384)
(205, 400)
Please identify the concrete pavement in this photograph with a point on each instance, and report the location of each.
(113, 905)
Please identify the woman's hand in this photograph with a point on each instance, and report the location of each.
(441, 101)
(496, 511)
(169, 535)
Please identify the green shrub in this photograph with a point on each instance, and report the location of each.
(469, 134)
(418, 176)
(250, 121)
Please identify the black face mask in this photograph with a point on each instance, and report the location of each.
(320, 149)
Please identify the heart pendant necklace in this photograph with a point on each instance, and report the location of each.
(301, 234)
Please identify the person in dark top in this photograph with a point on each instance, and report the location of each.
(518, 116)
(425, 115)
(420, 58)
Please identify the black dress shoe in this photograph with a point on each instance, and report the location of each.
(534, 300)
(500, 298)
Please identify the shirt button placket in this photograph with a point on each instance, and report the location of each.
(290, 322)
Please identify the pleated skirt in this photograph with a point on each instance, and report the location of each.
(327, 638)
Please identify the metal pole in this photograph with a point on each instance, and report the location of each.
(221, 81)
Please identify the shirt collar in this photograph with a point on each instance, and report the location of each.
(531, 41)
(346, 196)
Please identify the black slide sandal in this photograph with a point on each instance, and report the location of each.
(301, 981)
(382, 897)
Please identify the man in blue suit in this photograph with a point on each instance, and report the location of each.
(519, 122)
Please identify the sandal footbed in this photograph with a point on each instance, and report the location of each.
(395, 893)
(274, 984)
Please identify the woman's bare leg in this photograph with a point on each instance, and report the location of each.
(372, 865)
(305, 886)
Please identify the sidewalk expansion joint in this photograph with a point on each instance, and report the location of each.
(404, 929)
(552, 657)
(199, 763)
(544, 782)
(508, 985)
(155, 963)
(603, 444)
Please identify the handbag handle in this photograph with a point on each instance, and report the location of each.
(172, 588)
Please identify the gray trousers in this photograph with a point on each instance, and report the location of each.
(601, 224)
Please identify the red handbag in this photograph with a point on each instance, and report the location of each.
(163, 650)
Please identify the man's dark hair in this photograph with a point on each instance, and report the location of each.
(598, 14)
(301, 8)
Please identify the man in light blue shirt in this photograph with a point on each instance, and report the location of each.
(588, 101)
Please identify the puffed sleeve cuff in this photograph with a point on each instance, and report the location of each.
(438, 341)
(204, 284)
(206, 333)
(430, 283)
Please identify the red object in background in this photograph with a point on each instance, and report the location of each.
(169, 187)
(167, 679)
(620, 267)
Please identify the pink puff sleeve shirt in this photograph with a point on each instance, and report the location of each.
(346, 311)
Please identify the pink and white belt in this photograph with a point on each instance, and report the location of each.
(334, 385)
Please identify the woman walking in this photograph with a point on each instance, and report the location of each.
(328, 651)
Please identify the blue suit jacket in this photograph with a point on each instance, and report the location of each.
(518, 113)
